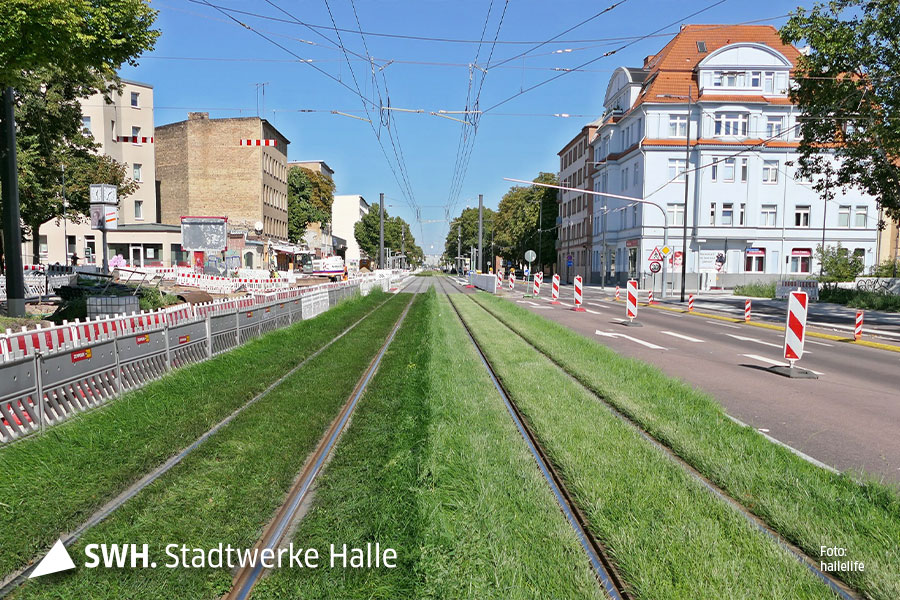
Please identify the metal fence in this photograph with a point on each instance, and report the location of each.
(49, 374)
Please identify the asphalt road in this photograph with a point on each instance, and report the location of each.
(848, 418)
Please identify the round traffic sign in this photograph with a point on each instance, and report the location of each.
(655, 266)
(530, 256)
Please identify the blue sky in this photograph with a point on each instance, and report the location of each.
(518, 139)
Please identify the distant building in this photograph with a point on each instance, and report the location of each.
(318, 238)
(123, 128)
(235, 168)
(749, 215)
(575, 209)
(319, 166)
(346, 212)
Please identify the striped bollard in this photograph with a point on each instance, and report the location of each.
(617, 293)
(537, 286)
(691, 303)
(650, 297)
(498, 283)
(795, 336)
(857, 332)
(747, 306)
(631, 302)
(578, 299)
(512, 281)
(554, 289)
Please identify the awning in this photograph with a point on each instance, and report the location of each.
(801, 252)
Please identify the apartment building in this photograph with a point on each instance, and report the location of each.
(346, 212)
(574, 222)
(749, 215)
(123, 127)
(234, 167)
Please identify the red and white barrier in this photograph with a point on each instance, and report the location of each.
(631, 300)
(554, 289)
(134, 139)
(259, 142)
(578, 297)
(499, 283)
(795, 331)
(650, 297)
(691, 303)
(512, 281)
(857, 332)
(617, 293)
(747, 306)
(537, 286)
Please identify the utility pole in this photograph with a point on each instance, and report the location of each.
(480, 263)
(402, 246)
(12, 230)
(381, 231)
(459, 248)
(540, 231)
(687, 163)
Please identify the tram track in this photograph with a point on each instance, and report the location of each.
(838, 587)
(601, 563)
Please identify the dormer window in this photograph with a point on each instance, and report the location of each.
(729, 123)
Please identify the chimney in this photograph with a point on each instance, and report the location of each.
(647, 60)
(198, 116)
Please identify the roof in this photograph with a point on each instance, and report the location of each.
(670, 72)
(136, 227)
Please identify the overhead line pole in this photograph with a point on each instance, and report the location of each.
(381, 231)
(480, 232)
(12, 230)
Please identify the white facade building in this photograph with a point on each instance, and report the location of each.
(749, 217)
(346, 212)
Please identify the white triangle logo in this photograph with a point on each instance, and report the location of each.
(57, 559)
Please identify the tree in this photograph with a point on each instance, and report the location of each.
(310, 196)
(517, 221)
(838, 264)
(848, 89)
(468, 221)
(366, 232)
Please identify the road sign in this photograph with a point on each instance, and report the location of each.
(795, 332)
(655, 266)
(530, 256)
(656, 254)
(666, 250)
(569, 262)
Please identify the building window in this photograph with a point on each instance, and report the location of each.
(676, 168)
(755, 261)
(42, 245)
(712, 213)
(744, 170)
(755, 79)
(714, 170)
(731, 124)
(769, 80)
(770, 171)
(728, 174)
(767, 215)
(86, 125)
(801, 216)
(624, 179)
(801, 260)
(728, 214)
(637, 174)
(139, 209)
(677, 125)
(634, 215)
(675, 214)
(859, 217)
(136, 172)
(136, 135)
(741, 214)
(774, 126)
(717, 79)
(135, 100)
(844, 216)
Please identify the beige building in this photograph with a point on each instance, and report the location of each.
(575, 219)
(124, 130)
(319, 166)
(235, 168)
(888, 241)
(346, 212)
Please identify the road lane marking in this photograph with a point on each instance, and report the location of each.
(684, 337)
(750, 339)
(723, 324)
(628, 337)
(593, 312)
(808, 341)
(779, 363)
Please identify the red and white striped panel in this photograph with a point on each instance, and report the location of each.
(134, 139)
(650, 297)
(617, 293)
(259, 142)
(554, 289)
(578, 299)
(795, 331)
(747, 310)
(512, 281)
(857, 331)
(537, 285)
(631, 300)
(499, 283)
(691, 303)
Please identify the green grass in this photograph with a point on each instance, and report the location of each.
(228, 489)
(53, 482)
(757, 289)
(861, 299)
(433, 466)
(670, 537)
(810, 506)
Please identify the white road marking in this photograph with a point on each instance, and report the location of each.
(808, 341)
(779, 363)
(594, 304)
(684, 337)
(723, 324)
(750, 339)
(628, 337)
(593, 312)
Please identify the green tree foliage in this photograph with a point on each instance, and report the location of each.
(838, 264)
(85, 39)
(310, 196)
(366, 232)
(517, 229)
(467, 224)
(848, 87)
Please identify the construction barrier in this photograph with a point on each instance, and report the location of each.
(578, 297)
(747, 306)
(857, 331)
(631, 300)
(795, 330)
(512, 281)
(650, 297)
(691, 303)
(617, 293)
(537, 286)
(554, 290)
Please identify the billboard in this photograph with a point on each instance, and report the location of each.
(203, 234)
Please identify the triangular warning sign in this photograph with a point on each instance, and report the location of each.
(656, 254)
(57, 559)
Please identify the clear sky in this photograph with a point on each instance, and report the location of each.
(205, 61)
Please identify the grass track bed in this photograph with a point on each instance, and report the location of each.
(809, 506)
(433, 466)
(669, 536)
(228, 489)
(51, 483)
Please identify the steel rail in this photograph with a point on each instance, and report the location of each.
(246, 577)
(837, 586)
(602, 565)
(16, 579)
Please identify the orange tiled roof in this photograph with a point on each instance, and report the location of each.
(671, 69)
